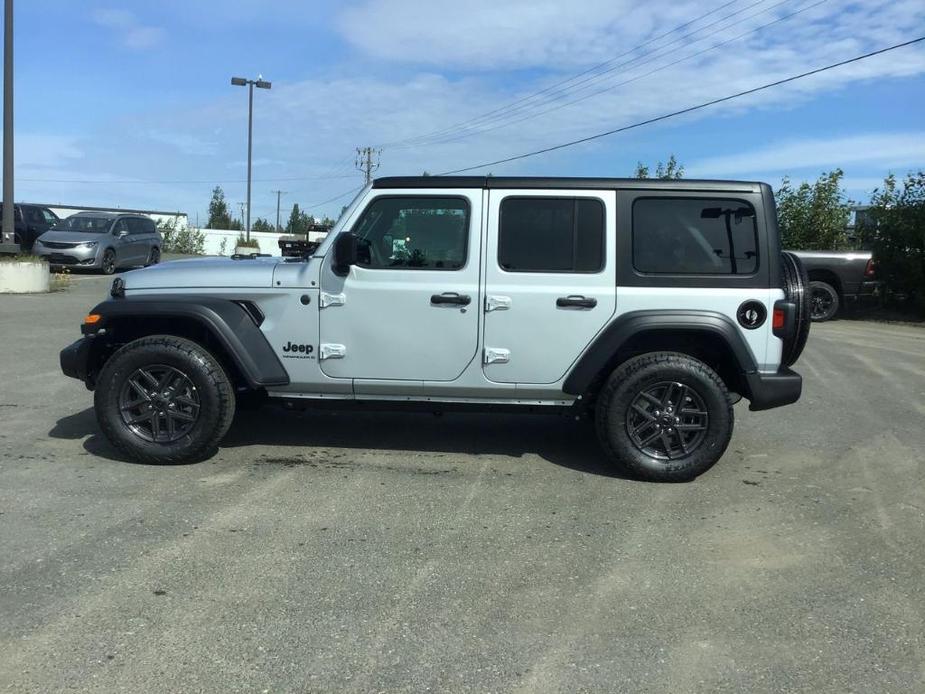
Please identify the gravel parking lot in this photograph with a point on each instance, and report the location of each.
(406, 552)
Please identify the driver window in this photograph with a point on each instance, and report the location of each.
(121, 225)
(420, 233)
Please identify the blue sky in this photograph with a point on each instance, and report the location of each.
(129, 103)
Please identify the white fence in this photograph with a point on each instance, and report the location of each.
(222, 241)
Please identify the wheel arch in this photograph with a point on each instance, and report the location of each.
(705, 335)
(827, 276)
(224, 327)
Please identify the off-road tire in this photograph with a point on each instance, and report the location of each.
(831, 294)
(640, 373)
(796, 289)
(214, 389)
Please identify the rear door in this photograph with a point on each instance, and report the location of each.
(409, 309)
(550, 281)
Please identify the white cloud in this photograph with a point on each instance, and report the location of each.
(881, 150)
(130, 32)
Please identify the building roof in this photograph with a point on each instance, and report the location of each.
(563, 183)
(114, 210)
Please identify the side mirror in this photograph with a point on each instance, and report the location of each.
(122, 234)
(345, 253)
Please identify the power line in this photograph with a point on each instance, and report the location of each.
(336, 197)
(209, 181)
(553, 87)
(689, 109)
(537, 114)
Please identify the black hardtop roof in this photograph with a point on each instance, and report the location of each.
(565, 183)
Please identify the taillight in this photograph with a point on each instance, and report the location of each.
(777, 322)
(869, 270)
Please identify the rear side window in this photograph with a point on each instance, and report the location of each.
(695, 236)
(551, 235)
(419, 233)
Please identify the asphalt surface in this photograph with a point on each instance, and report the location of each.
(406, 552)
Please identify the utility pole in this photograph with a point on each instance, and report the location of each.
(365, 163)
(279, 194)
(7, 240)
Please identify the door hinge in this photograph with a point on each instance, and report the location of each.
(329, 351)
(325, 300)
(497, 355)
(497, 303)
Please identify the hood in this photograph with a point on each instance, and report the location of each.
(74, 237)
(204, 273)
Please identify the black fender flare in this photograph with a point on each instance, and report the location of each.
(225, 319)
(634, 323)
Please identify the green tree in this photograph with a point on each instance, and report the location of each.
(666, 171)
(219, 216)
(261, 224)
(897, 236)
(296, 223)
(813, 216)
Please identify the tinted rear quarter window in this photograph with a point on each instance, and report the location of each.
(551, 235)
(694, 236)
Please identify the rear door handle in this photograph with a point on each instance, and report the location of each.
(576, 301)
(450, 298)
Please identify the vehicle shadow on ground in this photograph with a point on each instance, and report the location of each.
(556, 439)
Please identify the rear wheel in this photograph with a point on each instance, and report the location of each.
(154, 257)
(824, 301)
(664, 417)
(164, 400)
(796, 290)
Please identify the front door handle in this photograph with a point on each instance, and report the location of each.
(450, 298)
(576, 301)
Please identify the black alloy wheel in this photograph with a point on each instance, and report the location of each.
(667, 420)
(108, 264)
(823, 301)
(159, 403)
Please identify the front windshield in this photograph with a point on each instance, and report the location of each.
(96, 225)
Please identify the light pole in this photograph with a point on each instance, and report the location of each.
(7, 240)
(260, 83)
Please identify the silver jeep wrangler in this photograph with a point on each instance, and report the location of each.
(651, 306)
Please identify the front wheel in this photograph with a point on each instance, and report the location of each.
(108, 263)
(164, 400)
(664, 417)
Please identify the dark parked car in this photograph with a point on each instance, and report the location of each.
(102, 241)
(29, 222)
(837, 278)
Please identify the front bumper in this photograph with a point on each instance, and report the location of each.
(768, 390)
(71, 257)
(75, 360)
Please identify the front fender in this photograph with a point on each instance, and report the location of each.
(225, 320)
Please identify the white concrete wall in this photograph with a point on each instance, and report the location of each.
(269, 241)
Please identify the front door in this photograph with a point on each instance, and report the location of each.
(550, 281)
(409, 310)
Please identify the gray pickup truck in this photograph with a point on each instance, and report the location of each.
(837, 278)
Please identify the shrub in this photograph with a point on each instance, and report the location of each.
(813, 216)
(246, 243)
(897, 236)
(184, 239)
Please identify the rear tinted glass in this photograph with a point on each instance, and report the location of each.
(702, 236)
(551, 235)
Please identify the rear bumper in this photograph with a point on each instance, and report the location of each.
(774, 390)
(75, 359)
